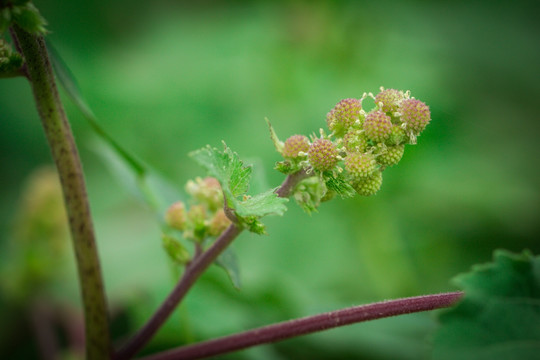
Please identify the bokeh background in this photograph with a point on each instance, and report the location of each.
(168, 77)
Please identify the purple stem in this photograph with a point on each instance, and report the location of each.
(307, 325)
(191, 274)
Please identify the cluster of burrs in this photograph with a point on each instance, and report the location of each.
(360, 144)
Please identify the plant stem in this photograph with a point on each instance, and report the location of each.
(191, 274)
(307, 325)
(66, 157)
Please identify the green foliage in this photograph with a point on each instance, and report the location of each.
(176, 251)
(234, 178)
(499, 315)
(28, 17)
(228, 261)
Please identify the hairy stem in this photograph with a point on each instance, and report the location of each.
(66, 157)
(191, 274)
(307, 325)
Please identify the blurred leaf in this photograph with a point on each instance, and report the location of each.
(228, 261)
(176, 251)
(499, 315)
(151, 187)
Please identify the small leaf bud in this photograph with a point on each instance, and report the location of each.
(369, 186)
(389, 155)
(323, 155)
(175, 216)
(378, 126)
(389, 100)
(294, 145)
(415, 114)
(344, 115)
(360, 165)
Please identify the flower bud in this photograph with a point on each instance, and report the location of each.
(389, 100)
(175, 216)
(378, 126)
(295, 144)
(343, 115)
(415, 114)
(360, 166)
(219, 223)
(398, 136)
(369, 186)
(322, 155)
(207, 191)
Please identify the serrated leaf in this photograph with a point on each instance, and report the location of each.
(339, 185)
(499, 315)
(227, 168)
(267, 203)
(228, 261)
(278, 144)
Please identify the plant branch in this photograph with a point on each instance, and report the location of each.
(191, 274)
(65, 154)
(307, 325)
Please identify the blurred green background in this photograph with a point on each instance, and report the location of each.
(168, 77)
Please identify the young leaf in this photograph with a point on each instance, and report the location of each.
(228, 261)
(227, 168)
(267, 203)
(499, 316)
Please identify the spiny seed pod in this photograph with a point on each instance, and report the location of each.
(369, 186)
(378, 126)
(397, 136)
(389, 155)
(175, 216)
(360, 165)
(415, 114)
(322, 155)
(355, 141)
(343, 115)
(219, 223)
(294, 145)
(389, 99)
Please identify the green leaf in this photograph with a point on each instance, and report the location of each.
(228, 261)
(267, 203)
(227, 167)
(140, 179)
(499, 316)
(176, 251)
(234, 179)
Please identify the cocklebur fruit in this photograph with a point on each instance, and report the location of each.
(369, 186)
(322, 155)
(389, 155)
(295, 144)
(377, 126)
(175, 216)
(415, 114)
(388, 100)
(355, 141)
(360, 166)
(344, 115)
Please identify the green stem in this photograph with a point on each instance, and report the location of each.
(66, 157)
